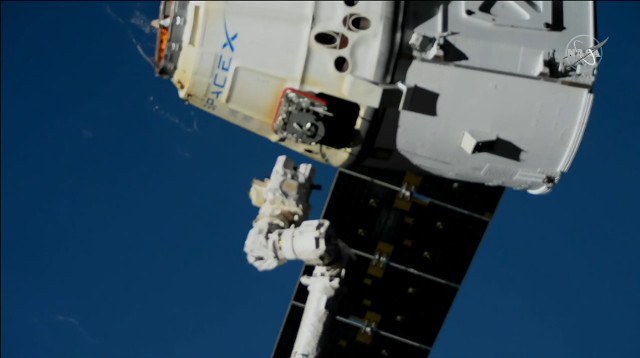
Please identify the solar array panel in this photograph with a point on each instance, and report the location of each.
(411, 255)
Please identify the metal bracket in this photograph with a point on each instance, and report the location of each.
(299, 117)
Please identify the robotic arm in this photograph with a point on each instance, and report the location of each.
(309, 242)
(280, 232)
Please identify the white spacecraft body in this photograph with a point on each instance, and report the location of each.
(476, 91)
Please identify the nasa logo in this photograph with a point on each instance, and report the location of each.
(583, 50)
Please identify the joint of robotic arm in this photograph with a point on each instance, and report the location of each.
(281, 231)
(286, 193)
(269, 245)
(308, 242)
(261, 248)
(314, 242)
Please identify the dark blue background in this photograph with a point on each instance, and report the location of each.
(124, 212)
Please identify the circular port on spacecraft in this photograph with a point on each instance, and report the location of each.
(332, 39)
(326, 38)
(350, 3)
(341, 64)
(355, 22)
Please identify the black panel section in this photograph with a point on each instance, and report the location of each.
(439, 242)
(430, 238)
(410, 306)
(340, 132)
(474, 197)
(366, 217)
(426, 249)
(342, 342)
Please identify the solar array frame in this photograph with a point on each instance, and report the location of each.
(411, 256)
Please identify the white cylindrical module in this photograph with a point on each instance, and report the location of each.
(235, 59)
(322, 285)
(306, 242)
(451, 89)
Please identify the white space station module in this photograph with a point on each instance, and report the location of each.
(481, 91)
(491, 92)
